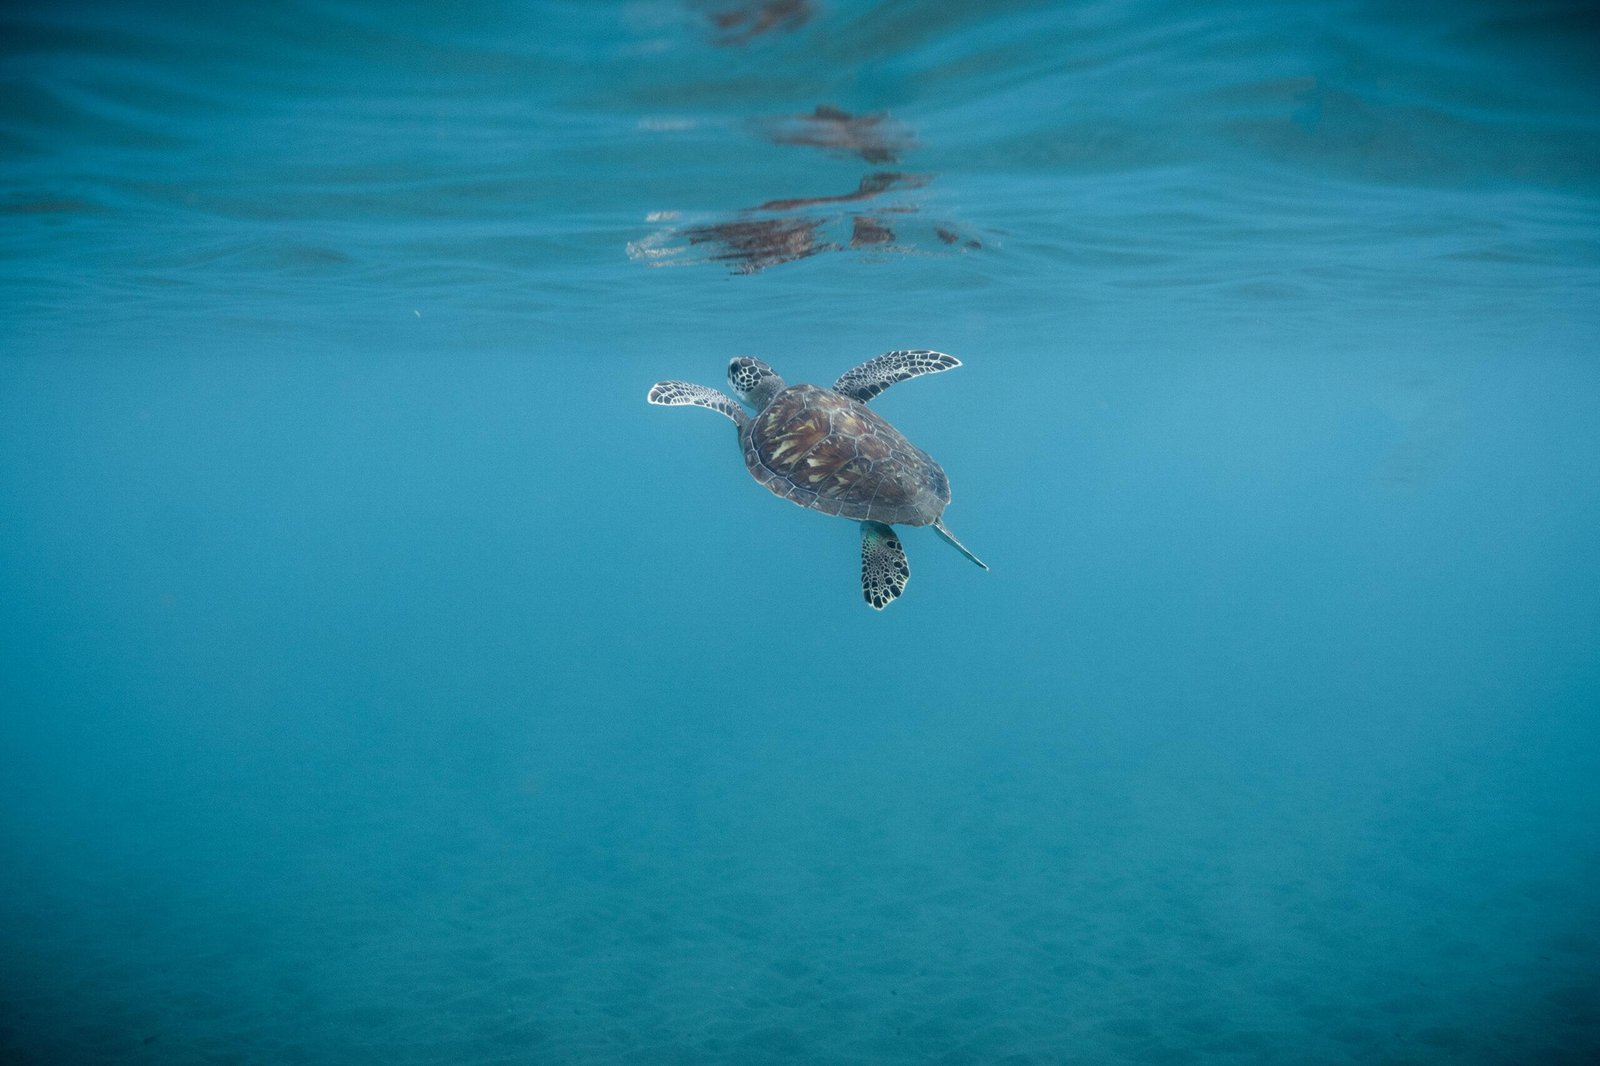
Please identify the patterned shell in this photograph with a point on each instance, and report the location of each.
(827, 452)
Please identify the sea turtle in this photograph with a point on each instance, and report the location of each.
(826, 450)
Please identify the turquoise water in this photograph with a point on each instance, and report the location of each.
(383, 681)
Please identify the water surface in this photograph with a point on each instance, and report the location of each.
(381, 680)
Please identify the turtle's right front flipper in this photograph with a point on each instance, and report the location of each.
(677, 393)
(884, 570)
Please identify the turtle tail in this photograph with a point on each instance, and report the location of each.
(938, 527)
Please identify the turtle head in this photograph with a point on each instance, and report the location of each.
(753, 381)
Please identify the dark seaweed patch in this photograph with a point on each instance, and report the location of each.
(876, 138)
(739, 24)
(754, 244)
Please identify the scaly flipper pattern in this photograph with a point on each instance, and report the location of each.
(884, 570)
(677, 393)
(872, 377)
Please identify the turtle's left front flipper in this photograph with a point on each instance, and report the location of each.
(864, 382)
(884, 570)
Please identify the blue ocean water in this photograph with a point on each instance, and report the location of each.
(382, 680)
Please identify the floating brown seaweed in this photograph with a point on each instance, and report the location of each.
(749, 243)
(741, 23)
(867, 231)
(950, 236)
(873, 184)
(877, 138)
(768, 234)
(752, 245)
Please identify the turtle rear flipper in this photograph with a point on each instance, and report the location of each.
(938, 527)
(884, 570)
